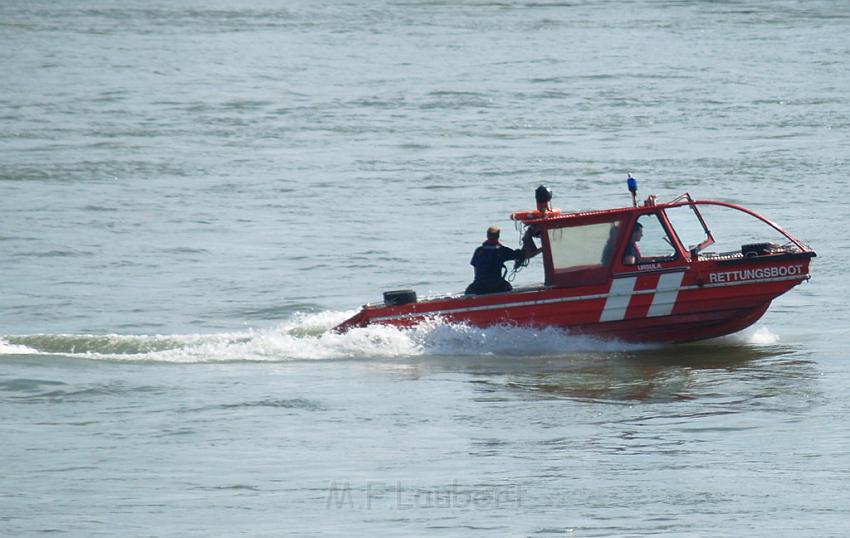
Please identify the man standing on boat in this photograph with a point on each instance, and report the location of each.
(489, 263)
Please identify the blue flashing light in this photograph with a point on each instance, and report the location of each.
(632, 182)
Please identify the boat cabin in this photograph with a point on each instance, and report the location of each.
(587, 248)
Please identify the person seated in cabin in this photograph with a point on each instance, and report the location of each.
(489, 263)
(632, 254)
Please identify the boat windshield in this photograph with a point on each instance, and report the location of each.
(693, 233)
(730, 230)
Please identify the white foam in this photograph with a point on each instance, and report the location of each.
(762, 336)
(308, 337)
(13, 349)
(437, 337)
(757, 336)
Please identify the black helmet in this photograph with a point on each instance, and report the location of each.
(543, 194)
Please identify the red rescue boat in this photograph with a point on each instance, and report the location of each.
(667, 288)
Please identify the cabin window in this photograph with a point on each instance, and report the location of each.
(649, 242)
(583, 247)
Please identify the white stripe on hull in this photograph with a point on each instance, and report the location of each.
(665, 295)
(618, 300)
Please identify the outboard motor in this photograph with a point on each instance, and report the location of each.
(399, 297)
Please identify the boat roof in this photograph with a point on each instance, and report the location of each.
(551, 218)
(555, 216)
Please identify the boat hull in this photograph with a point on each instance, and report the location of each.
(694, 302)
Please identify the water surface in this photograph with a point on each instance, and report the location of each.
(193, 193)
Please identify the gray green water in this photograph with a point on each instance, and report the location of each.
(191, 193)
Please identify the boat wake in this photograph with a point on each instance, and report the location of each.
(308, 337)
(759, 336)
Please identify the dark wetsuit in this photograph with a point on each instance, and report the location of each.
(489, 262)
